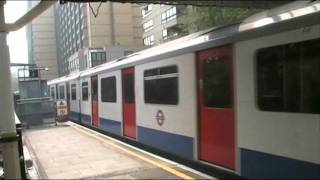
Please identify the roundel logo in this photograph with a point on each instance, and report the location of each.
(160, 117)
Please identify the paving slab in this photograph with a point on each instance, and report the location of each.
(69, 151)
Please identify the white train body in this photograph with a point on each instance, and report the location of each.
(259, 133)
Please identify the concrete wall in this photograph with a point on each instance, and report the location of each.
(116, 24)
(42, 42)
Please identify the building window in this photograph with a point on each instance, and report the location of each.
(85, 91)
(149, 40)
(161, 85)
(147, 26)
(98, 58)
(164, 34)
(146, 10)
(169, 15)
(127, 52)
(108, 89)
(289, 77)
(61, 92)
(52, 92)
(171, 32)
(73, 91)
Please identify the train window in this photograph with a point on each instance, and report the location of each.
(52, 92)
(161, 85)
(85, 90)
(217, 82)
(61, 92)
(108, 89)
(73, 91)
(289, 77)
(128, 89)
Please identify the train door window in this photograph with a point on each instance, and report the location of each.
(73, 91)
(94, 88)
(108, 89)
(217, 82)
(289, 77)
(85, 90)
(52, 92)
(68, 91)
(161, 85)
(61, 92)
(128, 89)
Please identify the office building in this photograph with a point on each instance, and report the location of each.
(41, 39)
(161, 23)
(78, 32)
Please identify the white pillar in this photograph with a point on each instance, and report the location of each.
(7, 118)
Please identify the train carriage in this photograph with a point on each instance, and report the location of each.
(244, 98)
(110, 102)
(74, 103)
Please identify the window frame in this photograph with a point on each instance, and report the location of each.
(168, 15)
(146, 11)
(64, 95)
(73, 86)
(82, 87)
(147, 26)
(115, 90)
(53, 92)
(256, 75)
(178, 86)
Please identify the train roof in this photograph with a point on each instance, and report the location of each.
(267, 22)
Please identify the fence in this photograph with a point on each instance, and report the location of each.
(36, 111)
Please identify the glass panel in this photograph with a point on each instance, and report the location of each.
(94, 90)
(52, 92)
(310, 77)
(103, 57)
(168, 70)
(61, 92)
(270, 79)
(161, 89)
(73, 92)
(217, 82)
(108, 89)
(289, 77)
(85, 91)
(151, 72)
(128, 89)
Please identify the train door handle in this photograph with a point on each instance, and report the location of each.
(200, 83)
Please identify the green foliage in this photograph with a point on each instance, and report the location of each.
(200, 18)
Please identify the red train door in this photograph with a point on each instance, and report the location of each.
(129, 106)
(216, 106)
(94, 101)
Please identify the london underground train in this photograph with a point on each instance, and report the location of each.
(244, 97)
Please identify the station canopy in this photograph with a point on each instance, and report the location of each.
(261, 4)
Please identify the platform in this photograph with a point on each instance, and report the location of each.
(70, 151)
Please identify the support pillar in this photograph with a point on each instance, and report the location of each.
(8, 134)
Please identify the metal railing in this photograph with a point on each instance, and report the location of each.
(17, 138)
(36, 111)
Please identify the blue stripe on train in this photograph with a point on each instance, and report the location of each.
(74, 116)
(86, 119)
(173, 143)
(110, 126)
(257, 165)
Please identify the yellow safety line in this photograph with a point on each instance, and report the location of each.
(167, 168)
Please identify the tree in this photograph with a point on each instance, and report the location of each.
(200, 18)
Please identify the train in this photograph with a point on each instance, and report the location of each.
(244, 97)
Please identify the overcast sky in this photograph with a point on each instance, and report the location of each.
(17, 40)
